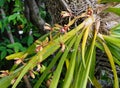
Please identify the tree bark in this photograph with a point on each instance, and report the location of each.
(55, 7)
(34, 15)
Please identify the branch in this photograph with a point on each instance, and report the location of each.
(26, 11)
(34, 15)
(65, 5)
(8, 31)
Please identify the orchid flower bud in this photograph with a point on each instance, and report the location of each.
(31, 74)
(4, 73)
(39, 48)
(47, 26)
(62, 47)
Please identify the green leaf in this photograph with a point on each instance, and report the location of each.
(104, 1)
(3, 54)
(16, 46)
(37, 85)
(5, 22)
(8, 0)
(116, 61)
(92, 67)
(84, 44)
(116, 28)
(30, 40)
(2, 48)
(2, 2)
(16, 56)
(99, 45)
(9, 51)
(33, 62)
(112, 40)
(37, 34)
(84, 72)
(43, 14)
(96, 83)
(47, 51)
(45, 73)
(114, 10)
(12, 17)
(110, 57)
(114, 50)
(29, 51)
(71, 68)
(5, 82)
(57, 72)
(16, 10)
(0, 24)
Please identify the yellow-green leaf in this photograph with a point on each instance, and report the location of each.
(110, 57)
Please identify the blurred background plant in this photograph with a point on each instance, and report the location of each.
(81, 51)
(16, 31)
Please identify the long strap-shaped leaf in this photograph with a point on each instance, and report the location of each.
(110, 57)
(57, 72)
(31, 63)
(113, 40)
(39, 57)
(40, 80)
(48, 50)
(77, 69)
(84, 44)
(5, 82)
(96, 83)
(89, 63)
(31, 49)
(84, 73)
(104, 1)
(70, 71)
(115, 10)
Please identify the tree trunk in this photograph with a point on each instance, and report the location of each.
(54, 7)
(32, 13)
